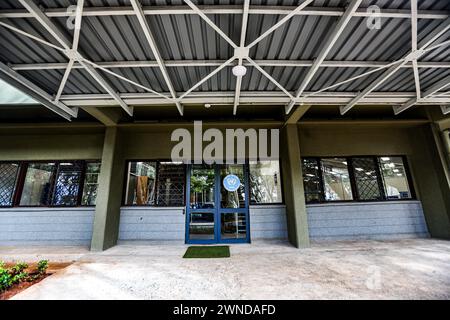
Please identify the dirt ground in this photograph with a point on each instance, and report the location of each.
(401, 269)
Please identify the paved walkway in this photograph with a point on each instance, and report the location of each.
(404, 269)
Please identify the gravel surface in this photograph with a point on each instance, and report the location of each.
(403, 269)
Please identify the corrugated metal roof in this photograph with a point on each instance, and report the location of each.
(188, 37)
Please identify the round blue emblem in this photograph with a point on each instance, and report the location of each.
(231, 182)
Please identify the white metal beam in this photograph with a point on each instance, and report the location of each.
(252, 97)
(76, 40)
(64, 41)
(280, 23)
(268, 76)
(327, 46)
(151, 42)
(240, 60)
(227, 9)
(429, 39)
(8, 26)
(210, 23)
(128, 80)
(440, 85)
(414, 46)
(215, 71)
(216, 63)
(36, 92)
(445, 110)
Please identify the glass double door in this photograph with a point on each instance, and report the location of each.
(217, 203)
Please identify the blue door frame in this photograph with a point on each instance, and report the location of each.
(217, 210)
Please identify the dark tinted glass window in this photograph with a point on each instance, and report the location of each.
(67, 184)
(396, 184)
(37, 185)
(312, 181)
(141, 183)
(90, 184)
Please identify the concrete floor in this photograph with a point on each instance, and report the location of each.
(403, 269)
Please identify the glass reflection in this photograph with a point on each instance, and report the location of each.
(202, 187)
(201, 226)
(233, 225)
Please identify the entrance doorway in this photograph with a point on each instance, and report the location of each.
(217, 203)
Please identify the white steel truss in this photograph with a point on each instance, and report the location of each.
(251, 97)
(151, 41)
(240, 59)
(328, 45)
(77, 60)
(72, 54)
(37, 93)
(216, 63)
(410, 57)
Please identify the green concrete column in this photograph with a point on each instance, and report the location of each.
(293, 186)
(109, 196)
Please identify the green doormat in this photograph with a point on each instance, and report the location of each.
(207, 252)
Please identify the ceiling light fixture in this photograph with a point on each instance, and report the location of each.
(239, 71)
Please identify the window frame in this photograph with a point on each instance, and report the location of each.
(349, 160)
(319, 165)
(408, 176)
(157, 161)
(20, 183)
(17, 182)
(282, 202)
(380, 180)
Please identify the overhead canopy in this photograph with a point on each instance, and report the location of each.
(179, 53)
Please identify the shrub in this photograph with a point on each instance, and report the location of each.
(5, 279)
(42, 266)
(17, 274)
(23, 276)
(18, 268)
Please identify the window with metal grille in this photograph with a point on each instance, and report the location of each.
(367, 179)
(67, 184)
(155, 183)
(312, 181)
(55, 183)
(356, 179)
(170, 184)
(8, 182)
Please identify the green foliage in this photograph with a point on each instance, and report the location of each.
(42, 266)
(17, 274)
(5, 279)
(18, 268)
(23, 276)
